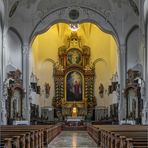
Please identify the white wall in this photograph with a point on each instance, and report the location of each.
(101, 76)
(133, 45)
(12, 52)
(45, 75)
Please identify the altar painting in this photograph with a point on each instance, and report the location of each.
(74, 56)
(74, 86)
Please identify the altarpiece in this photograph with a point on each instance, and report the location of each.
(74, 79)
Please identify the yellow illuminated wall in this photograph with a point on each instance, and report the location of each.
(103, 46)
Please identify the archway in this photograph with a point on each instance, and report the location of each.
(85, 15)
(101, 45)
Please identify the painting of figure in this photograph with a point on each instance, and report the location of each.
(74, 56)
(74, 86)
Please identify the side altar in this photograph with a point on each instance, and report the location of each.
(74, 80)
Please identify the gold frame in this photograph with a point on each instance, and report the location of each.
(76, 49)
(65, 96)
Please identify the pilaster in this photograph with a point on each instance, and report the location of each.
(26, 106)
(122, 69)
(145, 105)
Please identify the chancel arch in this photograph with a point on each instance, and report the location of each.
(76, 58)
(99, 18)
(63, 15)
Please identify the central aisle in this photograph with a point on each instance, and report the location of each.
(73, 139)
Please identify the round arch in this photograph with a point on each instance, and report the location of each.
(85, 15)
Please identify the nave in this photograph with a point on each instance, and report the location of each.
(73, 73)
(56, 136)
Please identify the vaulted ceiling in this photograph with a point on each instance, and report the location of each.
(24, 15)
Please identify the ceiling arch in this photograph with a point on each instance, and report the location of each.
(86, 15)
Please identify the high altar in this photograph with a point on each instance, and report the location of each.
(74, 80)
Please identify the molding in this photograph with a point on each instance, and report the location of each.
(85, 15)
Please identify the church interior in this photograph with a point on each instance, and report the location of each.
(73, 73)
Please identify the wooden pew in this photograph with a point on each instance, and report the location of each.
(12, 141)
(33, 139)
(116, 136)
(26, 137)
(110, 136)
(40, 135)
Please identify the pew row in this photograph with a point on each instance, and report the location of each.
(30, 136)
(119, 136)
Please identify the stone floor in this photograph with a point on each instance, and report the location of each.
(73, 139)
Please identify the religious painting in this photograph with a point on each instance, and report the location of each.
(74, 56)
(74, 86)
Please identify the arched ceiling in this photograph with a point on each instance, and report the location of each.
(24, 14)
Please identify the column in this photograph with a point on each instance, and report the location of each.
(26, 102)
(122, 70)
(145, 109)
(1, 72)
(3, 85)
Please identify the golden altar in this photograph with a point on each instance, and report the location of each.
(74, 79)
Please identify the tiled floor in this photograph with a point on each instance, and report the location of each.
(73, 139)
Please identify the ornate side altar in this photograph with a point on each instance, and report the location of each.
(74, 79)
(134, 102)
(13, 97)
